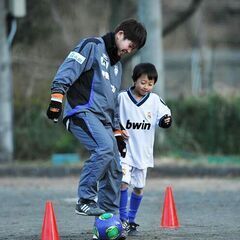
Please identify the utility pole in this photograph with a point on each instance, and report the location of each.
(150, 13)
(17, 8)
(6, 132)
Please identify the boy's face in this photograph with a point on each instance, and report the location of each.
(143, 85)
(124, 46)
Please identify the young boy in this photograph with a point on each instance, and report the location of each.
(140, 112)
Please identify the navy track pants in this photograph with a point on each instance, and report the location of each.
(102, 173)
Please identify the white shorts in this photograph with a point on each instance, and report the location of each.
(134, 176)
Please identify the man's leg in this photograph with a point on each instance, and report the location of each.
(109, 186)
(91, 132)
(110, 183)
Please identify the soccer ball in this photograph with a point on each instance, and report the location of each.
(107, 227)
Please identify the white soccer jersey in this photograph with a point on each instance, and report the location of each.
(140, 118)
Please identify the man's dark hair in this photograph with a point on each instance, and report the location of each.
(145, 68)
(133, 31)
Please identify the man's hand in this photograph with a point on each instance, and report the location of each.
(165, 121)
(121, 143)
(55, 106)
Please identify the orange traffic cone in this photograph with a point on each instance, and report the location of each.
(169, 213)
(49, 227)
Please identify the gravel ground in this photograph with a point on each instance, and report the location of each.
(207, 208)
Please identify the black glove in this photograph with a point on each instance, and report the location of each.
(55, 107)
(121, 143)
(165, 121)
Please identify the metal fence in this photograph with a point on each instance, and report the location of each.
(202, 72)
(196, 72)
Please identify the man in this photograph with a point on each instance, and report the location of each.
(90, 79)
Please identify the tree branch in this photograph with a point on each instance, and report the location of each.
(182, 18)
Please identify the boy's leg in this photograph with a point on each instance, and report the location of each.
(138, 181)
(135, 202)
(123, 205)
(126, 179)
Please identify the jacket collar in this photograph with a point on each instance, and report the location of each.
(109, 40)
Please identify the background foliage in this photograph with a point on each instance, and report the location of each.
(206, 125)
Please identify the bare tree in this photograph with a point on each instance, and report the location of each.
(175, 23)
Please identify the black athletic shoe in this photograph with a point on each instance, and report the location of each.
(123, 235)
(125, 230)
(125, 225)
(133, 229)
(88, 208)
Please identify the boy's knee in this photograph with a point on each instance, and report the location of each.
(138, 191)
(124, 186)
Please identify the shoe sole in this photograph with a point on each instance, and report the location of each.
(122, 238)
(85, 214)
(133, 233)
(81, 213)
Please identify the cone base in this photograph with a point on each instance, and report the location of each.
(172, 227)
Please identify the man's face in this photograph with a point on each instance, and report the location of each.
(124, 46)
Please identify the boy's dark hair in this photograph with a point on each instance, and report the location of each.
(145, 68)
(133, 31)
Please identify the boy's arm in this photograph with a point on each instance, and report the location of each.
(164, 115)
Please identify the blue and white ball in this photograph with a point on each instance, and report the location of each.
(107, 227)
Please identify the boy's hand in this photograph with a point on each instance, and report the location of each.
(165, 121)
(121, 143)
(55, 107)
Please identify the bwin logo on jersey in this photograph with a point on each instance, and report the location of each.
(137, 125)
